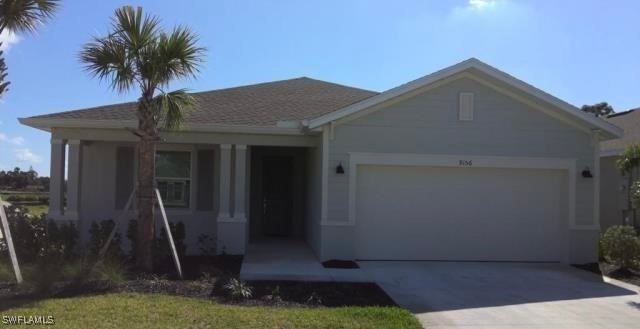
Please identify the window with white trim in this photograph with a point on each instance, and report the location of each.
(173, 178)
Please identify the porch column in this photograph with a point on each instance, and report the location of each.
(232, 236)
(74, 172)
(56, 179)
(239, 212)
(225, 182)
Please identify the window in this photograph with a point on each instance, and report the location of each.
(173, 177)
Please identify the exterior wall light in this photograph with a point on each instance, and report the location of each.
(339, 169)
(586, 173)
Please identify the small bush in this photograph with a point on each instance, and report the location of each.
(207, 245)
(163, 250)
(621, 246)
(37, 237)
(238, 289)
(111, 270)
(99, 233)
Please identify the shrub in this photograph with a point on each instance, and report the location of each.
(111, 270)
(162, 253)
(37, 237)
(238, 289)
(99, 233)
(621, 246)
(207, 245)
(163, 250)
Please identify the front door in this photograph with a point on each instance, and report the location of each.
(277, 195)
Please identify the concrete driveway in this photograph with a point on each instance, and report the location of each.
(505, 295)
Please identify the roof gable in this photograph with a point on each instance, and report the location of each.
(473, 68)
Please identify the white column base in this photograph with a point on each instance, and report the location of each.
(55, 215)
(71, 215)
(232, 236)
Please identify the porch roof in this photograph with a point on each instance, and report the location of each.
(271, 104)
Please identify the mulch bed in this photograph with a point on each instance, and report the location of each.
(344, 264)
(205, 277)
(265, 293)
(612, 271)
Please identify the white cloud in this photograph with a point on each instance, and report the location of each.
(482, 4)
(18, 140)
(25, 155)
(8, 39)
(491, 12)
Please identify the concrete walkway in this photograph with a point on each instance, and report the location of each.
(505, 295)
(290, 260)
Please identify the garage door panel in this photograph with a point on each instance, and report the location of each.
(432, 213)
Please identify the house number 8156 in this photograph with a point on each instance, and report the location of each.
(465, 163)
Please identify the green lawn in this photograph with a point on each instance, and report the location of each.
(38, 209)
(161, 311)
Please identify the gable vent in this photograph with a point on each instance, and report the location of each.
(465, 111)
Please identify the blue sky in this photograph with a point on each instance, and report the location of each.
(581, 51)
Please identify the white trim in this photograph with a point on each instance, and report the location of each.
(325, 177)
(239, 203)
(231, 220)
(596, 177)
(224, 197)
(610, 153)
(450, 71)
(193, 189)
(430, 160)
(57, 141)
(48, 123)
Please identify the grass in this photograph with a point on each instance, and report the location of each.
(161, 311)
(37, 210)
(6, 271)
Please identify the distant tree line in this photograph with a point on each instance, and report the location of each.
(602, 109)
(18, 179)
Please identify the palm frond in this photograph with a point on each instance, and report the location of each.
(170, 108)
(134, 29)
(26, 15)
(107, 59)
(177, 55)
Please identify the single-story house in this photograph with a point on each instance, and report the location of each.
(615, 206)
(467, 163)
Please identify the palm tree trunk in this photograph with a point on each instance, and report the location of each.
(146, 168)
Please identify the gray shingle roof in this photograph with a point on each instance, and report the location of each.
(261, 104)
(629, 121)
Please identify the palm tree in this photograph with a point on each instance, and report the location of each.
(22, 16)
(138, 53)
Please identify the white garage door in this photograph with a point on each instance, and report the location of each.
(444, 213)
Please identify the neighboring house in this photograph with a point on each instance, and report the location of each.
(467, 163)
(614, 197)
